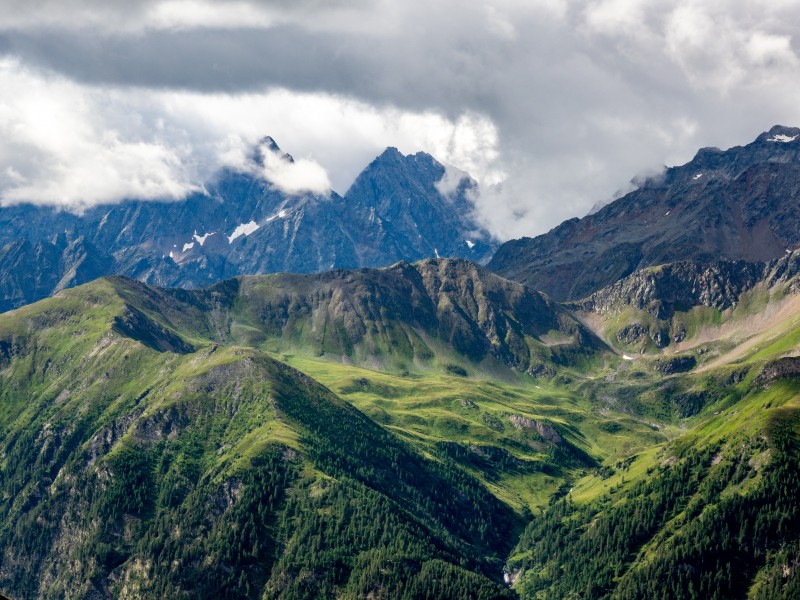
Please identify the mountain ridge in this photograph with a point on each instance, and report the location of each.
(421, 430)
(399, 317)
(722, 205)
(685, 306)
(197, 463)
(172, 442)
(242, 224)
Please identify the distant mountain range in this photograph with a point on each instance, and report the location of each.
(735, 204)
(397, 209)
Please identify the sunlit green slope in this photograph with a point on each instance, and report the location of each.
(416, 431)
(165, 467)
(715, 511)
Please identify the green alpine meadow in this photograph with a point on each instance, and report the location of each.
(426, 430)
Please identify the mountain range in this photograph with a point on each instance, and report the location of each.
(397, 209)
(735, 204)
(431, 428)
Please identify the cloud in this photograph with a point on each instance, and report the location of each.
(75, 145)
(63, 145)
(293, 176)
(99, 17)
(448, 185)
(339, 134)
(195, 14)
(551, 105)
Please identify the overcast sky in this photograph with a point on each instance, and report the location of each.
(551, 105)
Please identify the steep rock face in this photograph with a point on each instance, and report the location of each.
(433, 310)
(679, 364)
(407, 311)
(406, 211)
(737, 204)
(783, 368)
(663, 290)
(242, 225)
(678, 286)
(34, 270)
(547, 432)
(651, 299)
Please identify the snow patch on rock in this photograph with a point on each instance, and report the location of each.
(281, 214)
(243, 229)
(201, 239)
(779, 137)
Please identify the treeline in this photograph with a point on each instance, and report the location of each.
(697, 529)
(344, 443)
(344, 540)
(356, 513)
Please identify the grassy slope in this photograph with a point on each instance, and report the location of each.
(634, 423)
(622, 423)
(744, 438)
(131, 471)
(419, 400)
(607, 409)
(432, 410)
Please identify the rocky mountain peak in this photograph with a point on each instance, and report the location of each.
(665, 289)
(268, 144)
(240, 225)
(781, 134)
(404, 191)
(723, 205)
(390, 153)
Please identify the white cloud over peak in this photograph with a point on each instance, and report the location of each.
(448, 185)
(75, 145)
(551, 105)
(62, 144)
(294, 177)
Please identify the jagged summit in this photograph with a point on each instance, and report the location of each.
(241, 225)
(770, 146)
(390, 152)
(734, 204)
(393, 156)
(268, 144)
(403, 193)
(781, 134)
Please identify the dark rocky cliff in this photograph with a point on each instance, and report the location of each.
(736, 204)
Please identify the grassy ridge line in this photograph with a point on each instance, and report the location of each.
(405, 317)
(114, 453)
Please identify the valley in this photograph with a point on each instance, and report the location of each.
(137, 420)
(428, 429)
